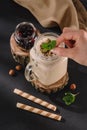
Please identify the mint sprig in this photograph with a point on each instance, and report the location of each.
(69, 98)
(48, 45)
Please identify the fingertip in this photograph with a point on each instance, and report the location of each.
(65, 52)
(56, 50)
(59, 40)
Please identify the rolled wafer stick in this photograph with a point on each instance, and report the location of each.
(39, 111)
(35, 99)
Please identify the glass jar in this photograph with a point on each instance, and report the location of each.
(46, 71)
(25, 34)
(22, 40)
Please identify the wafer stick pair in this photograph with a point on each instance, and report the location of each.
(40, 102)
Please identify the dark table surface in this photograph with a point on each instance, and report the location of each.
(11, 118)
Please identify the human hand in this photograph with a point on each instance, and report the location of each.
(76, 42)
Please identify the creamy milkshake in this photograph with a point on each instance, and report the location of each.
(47, 71)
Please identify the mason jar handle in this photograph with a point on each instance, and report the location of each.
(28, 72)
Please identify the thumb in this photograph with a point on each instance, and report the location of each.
(65, 52)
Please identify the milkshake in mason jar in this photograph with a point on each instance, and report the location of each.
(46, 71)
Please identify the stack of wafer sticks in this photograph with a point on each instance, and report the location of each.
(38, 101)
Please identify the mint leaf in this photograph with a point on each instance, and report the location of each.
(47, 46)
(69, 98)
(53, 43)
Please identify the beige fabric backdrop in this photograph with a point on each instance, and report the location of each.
(65, 13)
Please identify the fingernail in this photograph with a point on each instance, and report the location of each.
(52, 50)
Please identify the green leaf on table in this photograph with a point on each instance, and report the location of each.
(69, 98)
